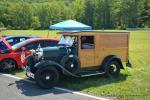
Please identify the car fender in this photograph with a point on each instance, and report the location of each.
(46, 63)
(110, 58)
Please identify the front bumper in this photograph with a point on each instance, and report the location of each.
(29, 73)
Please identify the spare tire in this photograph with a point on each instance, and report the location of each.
(71, 63)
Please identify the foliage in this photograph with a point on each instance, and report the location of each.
(101, 14)
(35, 23)
(1, 24)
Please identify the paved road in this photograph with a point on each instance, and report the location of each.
(16, 89)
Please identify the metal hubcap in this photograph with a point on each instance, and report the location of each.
(72, 65)
(47, 77)
(113, 68)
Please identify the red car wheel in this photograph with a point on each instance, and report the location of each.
(7, 65)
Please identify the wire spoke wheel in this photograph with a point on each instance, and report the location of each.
(71, 65)
(47, 77)
(113, 69)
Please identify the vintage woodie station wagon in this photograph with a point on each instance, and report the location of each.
(79, 54)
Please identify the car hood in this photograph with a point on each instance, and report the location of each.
(6, 43)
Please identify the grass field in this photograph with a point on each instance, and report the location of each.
(42, 33)
(133, 83)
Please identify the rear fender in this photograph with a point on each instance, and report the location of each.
(110, 58)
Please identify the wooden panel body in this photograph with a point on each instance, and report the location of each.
(87, 56)
(111, 44)
(105, 44)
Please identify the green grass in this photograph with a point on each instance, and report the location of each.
(42, 33)
(133, 83)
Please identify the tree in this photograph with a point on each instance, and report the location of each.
(120, 14)
(103, 14)
(89, 12)
(144, 19)
(1, 24)
(78, 9)
(35, 23)
(21, 14)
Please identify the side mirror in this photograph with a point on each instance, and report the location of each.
(23, 48)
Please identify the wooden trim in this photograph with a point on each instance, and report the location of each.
(128, 40)
(114, 48)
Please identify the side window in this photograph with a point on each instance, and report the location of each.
(16, 40)
(48, 43)
(10, 41)
(22, 39)
(87, 42)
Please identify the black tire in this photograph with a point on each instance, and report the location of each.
(71, 63)
(112, 69)
(7, 65)
(47, 77)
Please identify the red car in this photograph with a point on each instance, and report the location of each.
(11, 58)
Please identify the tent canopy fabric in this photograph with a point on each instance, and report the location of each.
(70, 25)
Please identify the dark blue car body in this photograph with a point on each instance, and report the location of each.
(14, 40)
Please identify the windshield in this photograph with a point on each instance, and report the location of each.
(67, 40)
(20, 44)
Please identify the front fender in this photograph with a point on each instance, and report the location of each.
(45, 63)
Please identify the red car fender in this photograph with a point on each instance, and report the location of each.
(18, 58)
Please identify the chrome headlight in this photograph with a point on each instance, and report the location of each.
(38, 53)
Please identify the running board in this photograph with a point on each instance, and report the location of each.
(91, 73)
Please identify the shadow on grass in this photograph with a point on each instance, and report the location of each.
(80, 84)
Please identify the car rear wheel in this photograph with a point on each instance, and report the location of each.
(7, 65)
(47, 77)
(113, 69)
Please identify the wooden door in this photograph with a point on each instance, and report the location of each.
(87, 51)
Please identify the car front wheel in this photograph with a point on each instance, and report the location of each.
(47, 77)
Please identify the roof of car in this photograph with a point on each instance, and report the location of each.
(11, 37)
(90, 32)
(21, 36)
(32, 40)
(36, 39)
